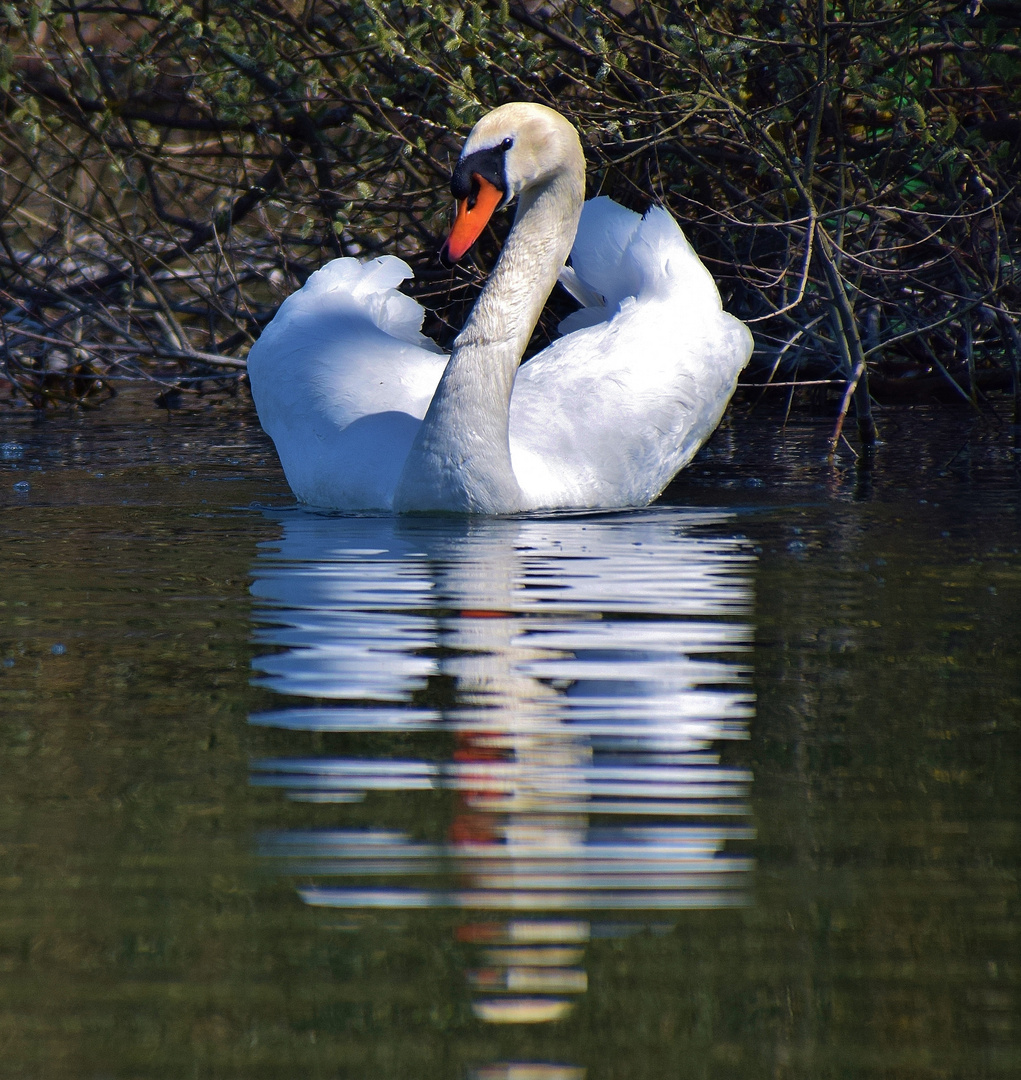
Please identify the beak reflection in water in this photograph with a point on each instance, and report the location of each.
(598, 665)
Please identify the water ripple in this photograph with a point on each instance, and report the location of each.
(599, 669)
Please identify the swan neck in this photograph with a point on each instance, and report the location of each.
(461, 457)
(536, 249)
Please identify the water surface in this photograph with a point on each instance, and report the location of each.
(724, 788)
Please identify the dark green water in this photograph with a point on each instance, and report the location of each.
(727, 788)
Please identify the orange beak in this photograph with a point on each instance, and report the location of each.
(471, 219)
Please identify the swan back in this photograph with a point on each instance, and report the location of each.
(653, 356)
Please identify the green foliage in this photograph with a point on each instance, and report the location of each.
(168, 172)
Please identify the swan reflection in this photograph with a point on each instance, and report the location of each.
(586, 671)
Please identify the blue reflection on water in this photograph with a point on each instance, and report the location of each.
(598, 664)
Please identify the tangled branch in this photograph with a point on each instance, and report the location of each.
(169, 172)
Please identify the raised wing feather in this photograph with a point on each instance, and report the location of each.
(342, 378)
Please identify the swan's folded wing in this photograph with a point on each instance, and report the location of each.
(341, 378)
(606, 231)
(608, 414)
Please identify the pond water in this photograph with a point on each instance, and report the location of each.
(729, 787)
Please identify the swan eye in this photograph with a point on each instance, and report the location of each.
(507, 143)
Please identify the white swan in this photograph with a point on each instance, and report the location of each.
(367, 414)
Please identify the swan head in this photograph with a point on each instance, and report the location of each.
(514, 148)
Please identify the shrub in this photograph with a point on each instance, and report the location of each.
(170, 171)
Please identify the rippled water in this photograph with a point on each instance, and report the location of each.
(728, 787)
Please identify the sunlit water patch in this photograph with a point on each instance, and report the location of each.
(574, 683)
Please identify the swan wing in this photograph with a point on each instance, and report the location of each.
(341, 379)
(609, 413)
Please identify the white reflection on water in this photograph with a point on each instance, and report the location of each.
(591, 669)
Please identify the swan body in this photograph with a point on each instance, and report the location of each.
(367, 414)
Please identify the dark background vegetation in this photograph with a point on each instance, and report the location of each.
(849, 172)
